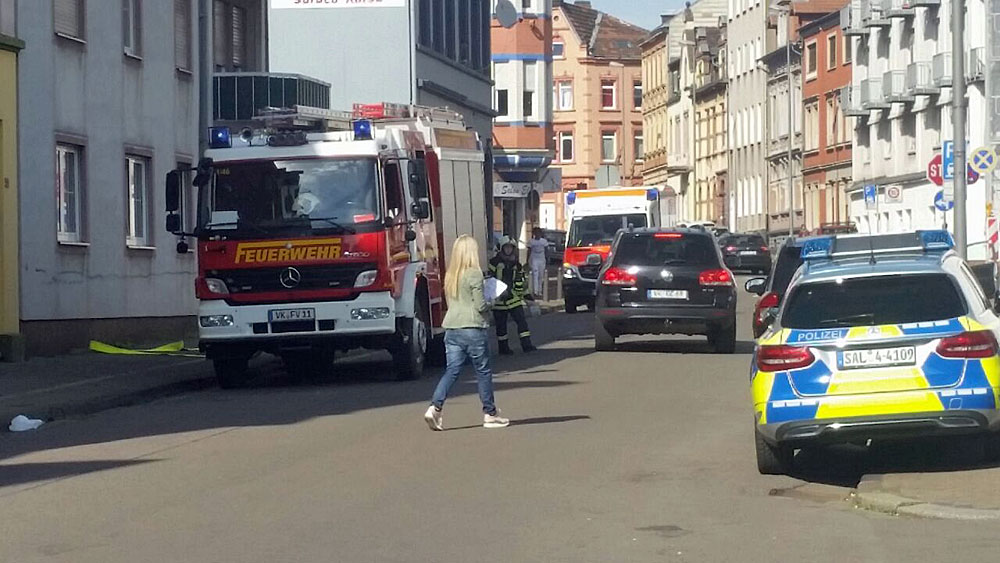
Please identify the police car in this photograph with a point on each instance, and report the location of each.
(878, 337)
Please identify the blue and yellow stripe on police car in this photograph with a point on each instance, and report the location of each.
(822, 393)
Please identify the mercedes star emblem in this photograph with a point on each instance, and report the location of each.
(290, 278)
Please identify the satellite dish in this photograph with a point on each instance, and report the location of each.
(506, 13)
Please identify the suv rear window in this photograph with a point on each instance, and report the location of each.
(646, 249)
(872, 301)
(743, 241)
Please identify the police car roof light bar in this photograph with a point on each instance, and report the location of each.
(845, 246)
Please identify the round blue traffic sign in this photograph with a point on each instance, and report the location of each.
(940, 202)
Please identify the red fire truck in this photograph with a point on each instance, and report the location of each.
(326, 231)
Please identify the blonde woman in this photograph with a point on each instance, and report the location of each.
(466, 337)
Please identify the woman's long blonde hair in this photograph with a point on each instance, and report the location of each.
(464, 256)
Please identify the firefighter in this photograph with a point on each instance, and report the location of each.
(506, 267)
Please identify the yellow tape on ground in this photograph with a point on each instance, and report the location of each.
(171, 349)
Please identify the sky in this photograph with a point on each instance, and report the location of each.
(644, 13)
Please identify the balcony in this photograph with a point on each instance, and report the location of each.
(873, 14)
(919, 81)
(975, 64)
(850, 19)
(871, 94)
(240, 96)
(941, 70)
(925, 3)
(711, 78)
(850, 100)
(901, 9)
(894, 87)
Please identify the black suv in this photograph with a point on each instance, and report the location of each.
(745, 252)
(666, 281)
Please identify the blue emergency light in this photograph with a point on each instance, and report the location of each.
(817, 248)
(219, 138)
(570, 198)
(363, 130)
(938, 239)
(652, 194)
(872, 245)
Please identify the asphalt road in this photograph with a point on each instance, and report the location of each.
(640, 455)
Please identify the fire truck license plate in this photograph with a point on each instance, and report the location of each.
(286, 315)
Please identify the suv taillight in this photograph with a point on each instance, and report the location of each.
(768, 301)
(977, 344)
(618, 276)
(716, 278)
(782, 358)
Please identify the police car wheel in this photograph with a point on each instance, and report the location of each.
(772, 459)
(231, 373)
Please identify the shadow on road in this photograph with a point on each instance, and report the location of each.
(21, 473)
(530, 421)
(844, 465)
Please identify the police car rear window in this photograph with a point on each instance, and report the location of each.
(873, 301)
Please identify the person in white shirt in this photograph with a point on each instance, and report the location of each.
(537, 261)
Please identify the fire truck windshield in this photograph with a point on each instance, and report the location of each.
(601, 229)
(291, 197)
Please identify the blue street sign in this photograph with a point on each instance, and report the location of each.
(871, 192)
(948, 159)
(941, 203)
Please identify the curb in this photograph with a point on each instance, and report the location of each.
(870, 496)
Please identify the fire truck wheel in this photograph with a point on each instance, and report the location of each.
(231, 373)
(409, 348)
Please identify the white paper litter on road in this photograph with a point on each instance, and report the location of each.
(493, 288)
(21, 423)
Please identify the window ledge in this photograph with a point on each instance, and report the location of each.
(74, 244)
(77, 40)
(141, 247)
(184, 73)
(133, 57)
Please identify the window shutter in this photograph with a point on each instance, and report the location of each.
(221, 39)
(69, 17)
(182, 34)
(239, 35)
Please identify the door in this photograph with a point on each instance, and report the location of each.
(395, 216)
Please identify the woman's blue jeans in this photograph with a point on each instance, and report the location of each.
(467, 345)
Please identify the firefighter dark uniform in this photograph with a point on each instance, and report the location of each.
(506, 268)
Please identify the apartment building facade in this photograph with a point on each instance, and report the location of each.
(746, 37)
(784, 126)
(655, 90)
(900, 98)
(829, 132)
(711, 154)
(522, 129)
(108, 105)
(597, 114)
(10, 47)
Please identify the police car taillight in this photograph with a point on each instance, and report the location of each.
(973, 344)
(782, 358)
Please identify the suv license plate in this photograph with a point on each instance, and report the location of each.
(748, 252)
(286, 315)
(879, 357)
(667, 294)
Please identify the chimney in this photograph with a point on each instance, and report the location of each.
(583, 3)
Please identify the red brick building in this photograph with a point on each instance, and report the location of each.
(827, 56)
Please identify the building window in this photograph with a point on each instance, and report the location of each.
(137, 180)
(608, 152)
(530, 83)
(608, 94)
(637, 95)
(529, 105)
(69, 17)
(438, 34)
(811, 60)
(637, 147)
(565, 96)
(558, 49)
(848, 49)
(464, 38)
(131, 27)
(502, 103)
(525, 5)
(182, 34)
(832, 126)
(812, 126)
(831, 52)
(69, 188)
(229, 26)
(426, 36)
(565, 147)
(450, 29)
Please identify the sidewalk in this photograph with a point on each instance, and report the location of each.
(87, 382)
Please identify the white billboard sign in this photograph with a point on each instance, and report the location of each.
(291, 4)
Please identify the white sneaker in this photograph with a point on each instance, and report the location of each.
(495, 421)
(434, 418)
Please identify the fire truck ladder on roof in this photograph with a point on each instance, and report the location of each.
(303, 118)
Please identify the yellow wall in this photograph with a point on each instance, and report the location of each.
(9, 296)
